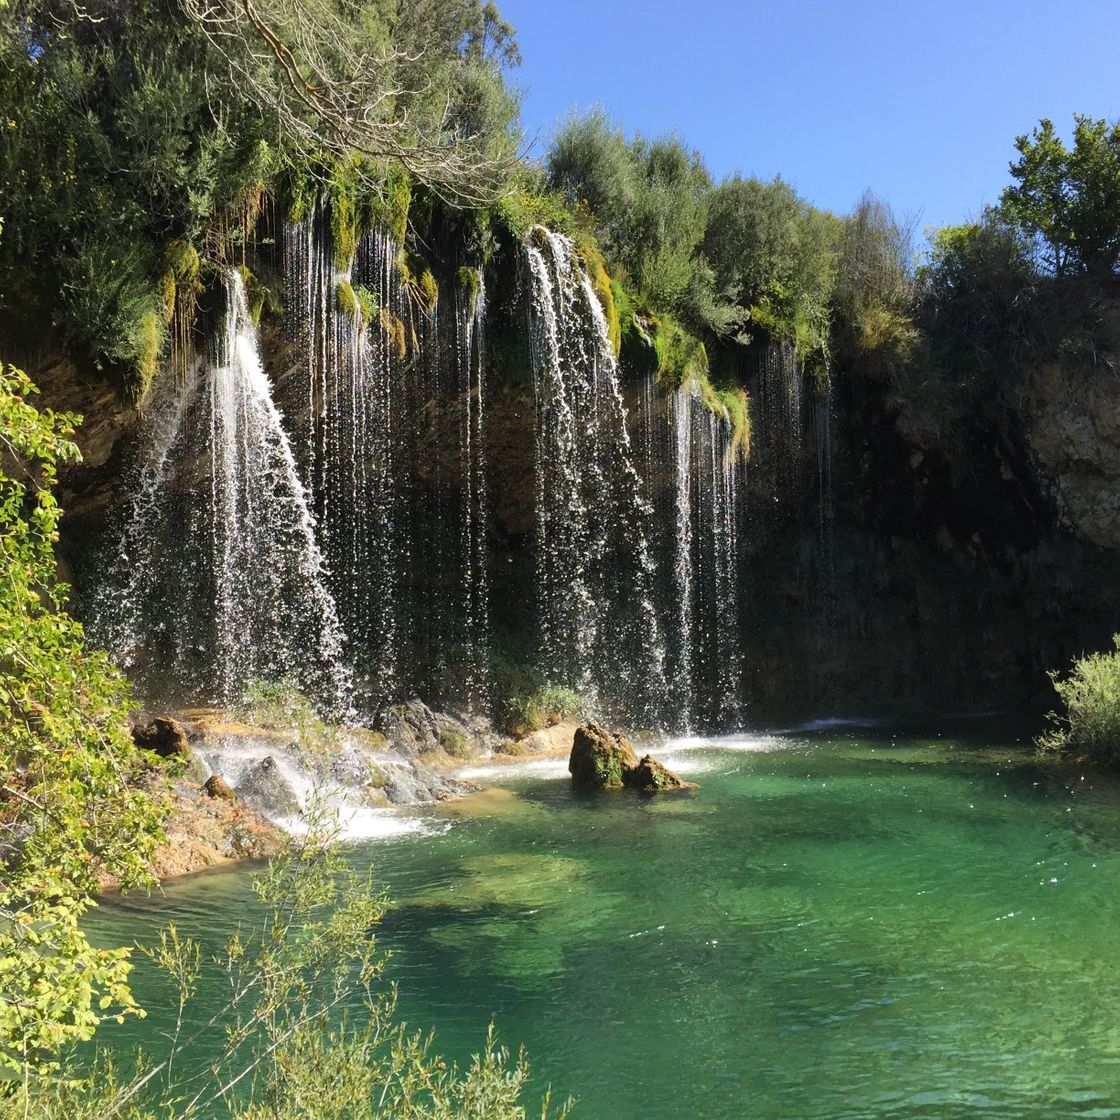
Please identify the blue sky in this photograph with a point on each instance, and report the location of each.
(919, 99)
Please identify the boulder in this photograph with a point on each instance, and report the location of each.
(263, 787)
(603, 759)
(163, 736)
(216, 786)
(414, 730)
(651, 777)
(599, 758)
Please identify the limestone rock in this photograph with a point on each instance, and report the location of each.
(217, 786)
(163, 736)
(599, 758)
(415, 730)
(264, 788)
(651, 777)
(557, 738)
(603, 759)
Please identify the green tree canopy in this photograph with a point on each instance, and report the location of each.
(1068, 199)
(774, 257)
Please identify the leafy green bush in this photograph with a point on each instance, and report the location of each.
(281, 706)
(528, 712)
(1090, 728)
(308, 1028)
(78, 802)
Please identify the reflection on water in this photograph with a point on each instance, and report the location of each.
(837, 924)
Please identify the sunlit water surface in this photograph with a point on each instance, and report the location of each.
(839, 923)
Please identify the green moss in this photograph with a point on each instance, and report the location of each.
(396, 203)
(147, 345)
(680, 355)
(255, 294)
(181, 267)
(470, 283)
(417, 279)
(683, 359)
(736, 403)
(429, 289)
(394, 330)
(455, 743)
(345, 231)
(601, 283)
(345, 299)
(296, 190)
(519, 211)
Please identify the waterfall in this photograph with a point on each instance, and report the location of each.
(779, 397)
(682, 403)
(470, 321)
(395, 453)
(699, 519)
(598, 628)
(216, 577)
(376, 581)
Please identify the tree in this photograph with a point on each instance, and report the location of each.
(589, 163)
(647, 200)
(974, 296)
(1068, 200)
(171, 122)
(75, 805)
(774, 257)
(381, 80)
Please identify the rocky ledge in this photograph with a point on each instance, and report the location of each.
(603, 759)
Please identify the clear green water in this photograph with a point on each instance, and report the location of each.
(835, 925)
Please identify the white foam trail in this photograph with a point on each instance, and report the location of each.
(740, 741)
(538, 768)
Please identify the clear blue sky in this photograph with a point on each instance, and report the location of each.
(918, 99)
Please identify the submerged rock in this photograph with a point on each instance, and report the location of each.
(265, 788)
(603, 759)
(163, 736)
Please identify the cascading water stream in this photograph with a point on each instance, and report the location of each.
(702, 548)
(396, 455)
(598, 628)
(217, 578)
(470, 321)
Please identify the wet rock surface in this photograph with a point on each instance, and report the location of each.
(163, 736)
(414, 729)
(217, 786)
(265, 788)
(604, 759)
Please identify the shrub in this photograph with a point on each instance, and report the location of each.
(1090, 729)
(309, 1028)
(280, 705)
(528, 712)
(75, 802)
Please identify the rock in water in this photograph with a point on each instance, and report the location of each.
(163, 736)
(651, 777)
(264, 788)
(603, 759)
(217, 787)
(600, 758)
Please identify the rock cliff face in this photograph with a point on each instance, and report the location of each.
(1075, 432)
